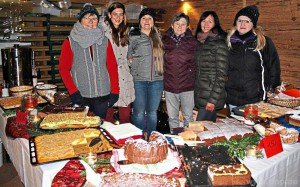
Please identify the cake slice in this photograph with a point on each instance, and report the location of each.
(229, 175)
(196, 126)
(80, 146)
(188, 135)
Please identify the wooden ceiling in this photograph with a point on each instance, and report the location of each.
(20, 7)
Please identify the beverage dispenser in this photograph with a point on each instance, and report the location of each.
(16, 63)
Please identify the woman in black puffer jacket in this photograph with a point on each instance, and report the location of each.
(254, 66)
(212, 65)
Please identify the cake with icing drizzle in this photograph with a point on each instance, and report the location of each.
(229, 175)
(143, 152)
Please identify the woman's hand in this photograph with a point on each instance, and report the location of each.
(130, 60)
(210, 107)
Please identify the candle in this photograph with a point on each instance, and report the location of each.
(31, 101)
(91, 158)
(251, 112)
(251, 150)
(33, 116)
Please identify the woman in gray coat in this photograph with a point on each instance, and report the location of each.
(212, 65)
(116, 30)
(145, 52)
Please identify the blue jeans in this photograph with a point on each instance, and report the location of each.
(147, 98)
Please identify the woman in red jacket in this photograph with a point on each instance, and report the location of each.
(87, 64)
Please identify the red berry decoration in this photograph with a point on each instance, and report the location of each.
(72, 174)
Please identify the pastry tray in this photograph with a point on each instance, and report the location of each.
(110, 140)
(196, 160)
(33, 151)
(16, 104)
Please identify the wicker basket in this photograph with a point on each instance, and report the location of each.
(290, 103)
(45, 89)
(21, 90)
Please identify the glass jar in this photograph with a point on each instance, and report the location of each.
(251, 112)
(31, 101)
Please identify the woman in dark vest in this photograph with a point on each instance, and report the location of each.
(212, 65)
(87, 64)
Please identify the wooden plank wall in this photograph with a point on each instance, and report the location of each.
(280, 20)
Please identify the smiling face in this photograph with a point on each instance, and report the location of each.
(180, 26)
(89, 21)
(207, 24)
(146, 23)
(117, 16)
(243, 25)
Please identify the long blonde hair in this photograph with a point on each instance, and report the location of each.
(261, 40)
(158, 52)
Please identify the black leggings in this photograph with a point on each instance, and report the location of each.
(98, 105)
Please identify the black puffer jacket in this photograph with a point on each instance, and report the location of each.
(245, 84)
(212, 64)
(179, 64)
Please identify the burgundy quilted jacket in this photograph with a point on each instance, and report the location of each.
(179, 64)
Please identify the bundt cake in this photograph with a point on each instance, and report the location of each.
(143, 152)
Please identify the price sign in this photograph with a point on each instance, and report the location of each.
(272, 145)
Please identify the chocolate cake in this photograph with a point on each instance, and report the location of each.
(229, 175)
(61, 99)
(197, 159)
(143, 152)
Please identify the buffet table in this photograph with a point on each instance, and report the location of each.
(18, 151)
(280, 170)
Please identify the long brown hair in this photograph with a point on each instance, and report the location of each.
(158, 51)
(120, 34)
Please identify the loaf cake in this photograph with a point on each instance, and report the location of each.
(69, 120)
(229, 175)
(143, 152)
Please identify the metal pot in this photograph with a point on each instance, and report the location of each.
(16, 63)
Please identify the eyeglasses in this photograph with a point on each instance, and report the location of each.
(117, 15)
(91, 19)
(243, 21)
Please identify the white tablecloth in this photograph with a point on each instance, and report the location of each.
(282, 170)
(18, 151)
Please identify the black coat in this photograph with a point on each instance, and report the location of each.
(249, 76)
(179, 62)
(212, 64)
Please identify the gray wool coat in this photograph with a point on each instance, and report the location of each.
(126, 95)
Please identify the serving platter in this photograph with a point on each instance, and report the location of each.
(15, 102)
(265, 110)
(197, 159)
(61, 147)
